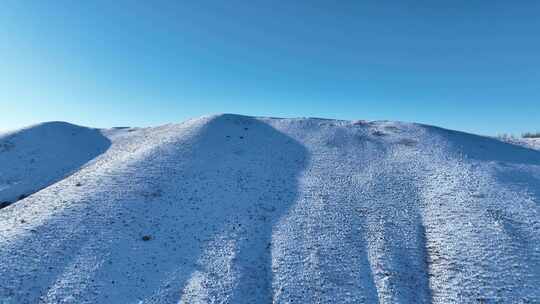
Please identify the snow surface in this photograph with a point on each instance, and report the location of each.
(236, 209)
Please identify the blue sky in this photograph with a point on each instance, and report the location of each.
(467, 65)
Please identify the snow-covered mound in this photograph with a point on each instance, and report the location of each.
(35, 157)
(235, 209)
(531, 143)
(534, 143)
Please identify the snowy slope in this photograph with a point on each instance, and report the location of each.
(35, 157)
(531, 143)
(534, 143)
(235, 209)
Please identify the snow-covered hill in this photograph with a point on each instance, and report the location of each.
(37, 156)
(531, 143)
(235, 209)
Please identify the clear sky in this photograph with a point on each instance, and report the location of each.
(471, 65)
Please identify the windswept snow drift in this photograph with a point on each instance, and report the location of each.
(235, 209)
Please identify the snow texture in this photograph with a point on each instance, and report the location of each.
(236, 209)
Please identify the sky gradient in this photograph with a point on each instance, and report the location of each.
(466, 65)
